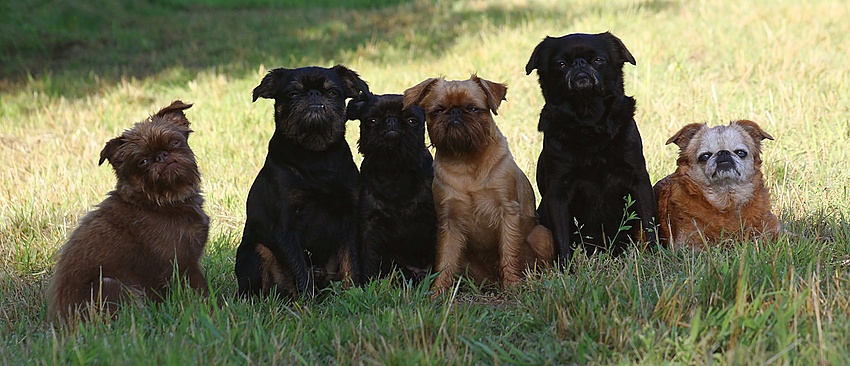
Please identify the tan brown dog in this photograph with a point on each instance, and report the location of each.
(717, 191)
(151, 224)
(485, 204)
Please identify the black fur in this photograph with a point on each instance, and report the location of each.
(398, 219)
(592, 153)
(303, 203)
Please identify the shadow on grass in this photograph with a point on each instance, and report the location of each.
(74, 48)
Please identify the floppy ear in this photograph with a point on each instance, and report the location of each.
(355, 107)
(495, 92)
(539, 57)
(268, 86)
(354, 85)
(174, 113)
(414, 95)
(110, 151)
(753, 130)
(622, 51)
(684, 136)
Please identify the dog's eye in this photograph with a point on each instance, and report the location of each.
(438, 111)
(561, 64)
(741, 153)
(599, 61)
(474, 109)
(143, 162)
(373, 121)
(412, 121)
(332, 93)
(293, 95)
(704, 157)
(175, 143)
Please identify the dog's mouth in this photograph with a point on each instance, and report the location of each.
(316, 106)
(724, 171)
(392, 134)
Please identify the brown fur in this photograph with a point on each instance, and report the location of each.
(125, 250)
(696, 212)
(485, 204)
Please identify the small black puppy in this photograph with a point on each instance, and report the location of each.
(397, 214)
(592, 154)
(301, 228)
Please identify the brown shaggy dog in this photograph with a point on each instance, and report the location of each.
(485, 204)
(717, 191)
(152, 223)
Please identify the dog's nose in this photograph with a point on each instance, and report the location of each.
(314, 94)
(579, 62)
(161, 156)
(724, 160)
(456, 112)
(392, 121)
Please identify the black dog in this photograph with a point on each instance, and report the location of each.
(301, 228)
(592, 156)
(397, 214)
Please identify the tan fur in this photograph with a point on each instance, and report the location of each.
(127, 249)
(485, 204)
(697, 208)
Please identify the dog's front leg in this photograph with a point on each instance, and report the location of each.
(288, 250)
(196, 278)
(510, 244)
(349, 266)
(558, 215)
(451, 245)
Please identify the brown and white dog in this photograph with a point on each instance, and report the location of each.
(717, 191)
(485, 203)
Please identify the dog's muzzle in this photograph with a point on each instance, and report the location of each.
(455, 115)
(724, 161)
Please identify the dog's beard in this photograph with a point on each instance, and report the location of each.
(458, 139)
(312, 127)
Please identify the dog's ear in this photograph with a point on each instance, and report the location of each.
(618, 46)
(355, 110)
(753, 130)
(540, 57)
(354, 86)
(684, 136)
(495, 92)
(414, 95)
(268, 86)
(111, 150)
(174, 113)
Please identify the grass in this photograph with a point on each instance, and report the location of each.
(70, 82)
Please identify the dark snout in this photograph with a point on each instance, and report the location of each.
(316, 100)
(724, 160)
(392, 127)
(456, 115)
(581, 75)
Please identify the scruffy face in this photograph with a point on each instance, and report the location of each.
(582, 66)
(458, 112)
(386, 126)
(721, 155)
(310, 102)
(153, 160)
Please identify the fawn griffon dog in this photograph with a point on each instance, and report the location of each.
(485, 204)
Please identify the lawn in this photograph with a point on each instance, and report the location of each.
(74, 74)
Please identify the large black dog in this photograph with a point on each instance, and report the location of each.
(301, 228)
(397, 214)
(592, 156)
